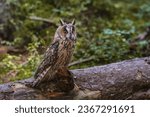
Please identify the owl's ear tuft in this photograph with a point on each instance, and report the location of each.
(73, 22)
(62, 22)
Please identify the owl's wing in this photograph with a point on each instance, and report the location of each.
(49, 60)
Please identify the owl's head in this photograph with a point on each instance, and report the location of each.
(66, 31)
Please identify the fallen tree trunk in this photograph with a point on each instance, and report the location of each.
(123, 80)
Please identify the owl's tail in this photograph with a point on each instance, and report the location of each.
(40, 77)
(36, 82)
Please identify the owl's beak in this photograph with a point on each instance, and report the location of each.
(70, 37)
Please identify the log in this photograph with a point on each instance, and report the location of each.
(128, 79)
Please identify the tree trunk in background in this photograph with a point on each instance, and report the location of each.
(123, 80)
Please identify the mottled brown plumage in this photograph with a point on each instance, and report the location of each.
(58, 54)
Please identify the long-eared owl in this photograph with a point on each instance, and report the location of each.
(58, 54)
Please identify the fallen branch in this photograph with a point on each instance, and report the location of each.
(81, 61)
(43, 20)
(123, 80)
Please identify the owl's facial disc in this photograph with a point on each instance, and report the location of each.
(69, 31)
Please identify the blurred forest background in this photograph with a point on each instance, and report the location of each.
(108, 31)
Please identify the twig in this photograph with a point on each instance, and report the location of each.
(140, 37)
(11, 50)
(81, 61)
(43, 20)
(144, 35)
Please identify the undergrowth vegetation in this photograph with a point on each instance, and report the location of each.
(106, 30)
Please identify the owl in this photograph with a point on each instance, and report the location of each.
(58, 54)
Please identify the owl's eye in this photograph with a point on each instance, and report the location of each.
(73, 29)
(65, 30)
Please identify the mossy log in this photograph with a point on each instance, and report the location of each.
(128, 79)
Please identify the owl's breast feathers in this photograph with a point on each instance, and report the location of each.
(57, 55)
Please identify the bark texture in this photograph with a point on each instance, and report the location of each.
(123, 80)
